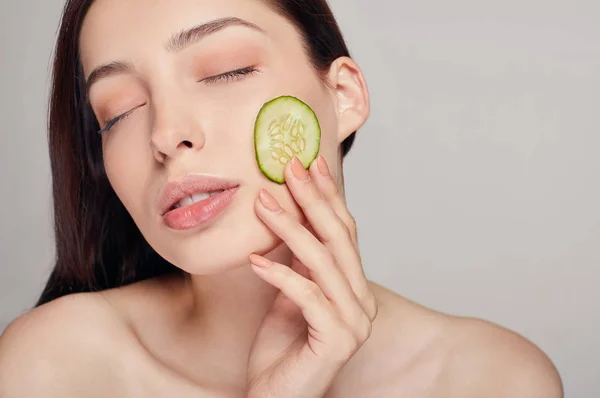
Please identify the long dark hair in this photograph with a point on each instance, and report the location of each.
(98, 246)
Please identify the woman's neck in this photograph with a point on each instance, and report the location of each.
(226, 311)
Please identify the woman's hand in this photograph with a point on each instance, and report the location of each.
(325, 308)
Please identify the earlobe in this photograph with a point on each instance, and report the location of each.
(352, 96)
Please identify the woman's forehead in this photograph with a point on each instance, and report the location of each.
(113, 28)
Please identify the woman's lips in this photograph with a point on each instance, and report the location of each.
(200, 213)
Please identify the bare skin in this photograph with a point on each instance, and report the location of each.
(196, 335)
(120, 343)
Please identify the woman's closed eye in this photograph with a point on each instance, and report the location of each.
(231, 75)
(223, 77)
(112, 122)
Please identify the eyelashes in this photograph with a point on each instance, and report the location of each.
(232, 75)
(223, 77)
(112, 122)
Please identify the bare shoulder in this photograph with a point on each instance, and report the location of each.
(499, 363)
(419, 352)
(64, 348)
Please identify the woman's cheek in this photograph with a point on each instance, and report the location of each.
(127, 168)
(232, 118)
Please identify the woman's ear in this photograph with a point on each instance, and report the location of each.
(352, 94)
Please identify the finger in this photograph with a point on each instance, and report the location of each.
(328, 226)
(322, 217)
(305, 293)
(310, 252)
(315, 308)
(321, 175)
(349, 262)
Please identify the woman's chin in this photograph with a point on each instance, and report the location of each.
(220, 251)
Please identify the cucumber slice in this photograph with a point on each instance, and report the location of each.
(285, 127)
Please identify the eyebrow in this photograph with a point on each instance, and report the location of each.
(190, 36)
(101, 72)
(177, 43)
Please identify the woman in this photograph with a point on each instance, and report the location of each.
(256, 289)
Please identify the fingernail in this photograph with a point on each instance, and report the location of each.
(299, 170)
(260, 261)
(268, 201)
(323, 167)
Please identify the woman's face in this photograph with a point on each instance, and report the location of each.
(188, 118)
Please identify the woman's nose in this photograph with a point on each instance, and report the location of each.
(174, 133)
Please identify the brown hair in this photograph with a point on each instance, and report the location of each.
(98, 246)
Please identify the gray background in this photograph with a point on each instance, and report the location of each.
(474, 183)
